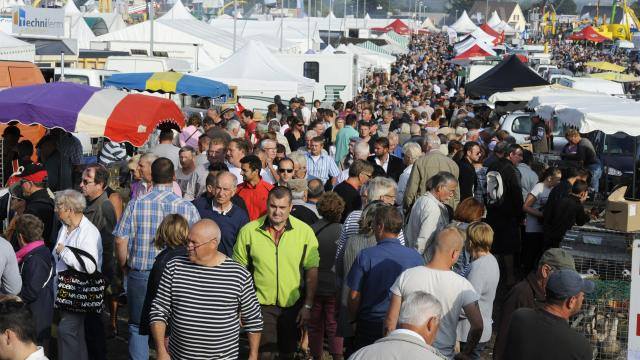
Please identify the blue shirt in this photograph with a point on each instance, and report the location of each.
(375, 270)
(141, 220)
(321, 168)
(229, 222)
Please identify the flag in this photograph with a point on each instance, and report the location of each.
(239, 109)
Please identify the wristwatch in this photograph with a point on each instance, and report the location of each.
(308, 307)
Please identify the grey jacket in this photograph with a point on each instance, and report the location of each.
(102, 215)
(398, 346)
(423, 169)
(10, 280)
(428, 216)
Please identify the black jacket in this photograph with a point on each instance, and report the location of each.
(566, 213)
(37, 289)
(102, 215)
(41, 205)
(394, 169)
(154, 282)
(560, 191)
(293, 143)
(585, 153)
(467, 178)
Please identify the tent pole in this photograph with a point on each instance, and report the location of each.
(635, 162)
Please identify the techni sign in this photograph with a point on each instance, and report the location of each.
(36, 21)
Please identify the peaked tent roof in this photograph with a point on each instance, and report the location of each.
(589, 33)
(489, 30)
(16, 49)
(70, 8)
(494, 19)
(396, 25)
(255, 68)
(177, 12)
(503, 8)
(477, 50)
(429, 25)
(77, 28)
(464, 25)
(483, 36)
(331, 16)
(507, 75)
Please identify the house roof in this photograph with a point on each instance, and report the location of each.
(504, 9)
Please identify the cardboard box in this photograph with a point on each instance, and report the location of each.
(622, 214)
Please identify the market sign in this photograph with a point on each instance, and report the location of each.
(38, 21)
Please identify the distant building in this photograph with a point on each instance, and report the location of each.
(509, 12)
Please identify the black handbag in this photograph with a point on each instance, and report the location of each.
(78, 291)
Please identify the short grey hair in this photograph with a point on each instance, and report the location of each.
(299, 158)
(433, 141)
(262, 128)
(72, 200)
(440, 179)
(418, 307)
(148, 157)
(310, 134)
(265, 142)
(233, 125)
(380, 186)
(412, 151)
(187, 148)
(394, 135)
(361, 150)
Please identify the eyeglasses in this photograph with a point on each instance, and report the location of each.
(194, 245)
(367, 175)
(288, 171)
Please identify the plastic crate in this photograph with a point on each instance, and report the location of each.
(605, 256)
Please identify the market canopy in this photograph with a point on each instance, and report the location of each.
(494, 20)
(489, 30)
(397, 25)
(170, 82)
(111, 113)
(605, 66)
(507, 75)
(589, 33)
(464, 25)
(614, 76)
(479, 49)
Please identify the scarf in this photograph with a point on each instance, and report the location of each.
(25, 250)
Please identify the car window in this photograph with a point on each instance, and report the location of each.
(521, 125)
(618, 145)
(78, 79)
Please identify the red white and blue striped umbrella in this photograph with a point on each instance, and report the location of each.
(111, 113)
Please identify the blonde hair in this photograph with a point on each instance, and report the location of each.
(479, 236)
(172, 232)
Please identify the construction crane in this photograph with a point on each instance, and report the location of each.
(548, 19)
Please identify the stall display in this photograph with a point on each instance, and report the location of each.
(604, 256)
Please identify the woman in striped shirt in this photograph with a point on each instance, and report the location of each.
(200, 297)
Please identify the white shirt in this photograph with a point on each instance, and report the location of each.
(306, 114)
(37, 355)
(235, 171)
(384, 164)
(541, 193)
(402, 184)
(344, 175)
(408, 332)
(452, 290)
(267, 176)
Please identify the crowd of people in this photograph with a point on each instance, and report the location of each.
(379, 228)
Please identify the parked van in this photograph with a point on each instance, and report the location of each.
(19, 73)
(518, 124)
(127, 64)
(83, 76)
(593, 85)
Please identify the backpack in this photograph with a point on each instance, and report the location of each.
(495, 189)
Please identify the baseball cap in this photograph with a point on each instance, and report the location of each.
(566, 283)
(558, 259)
(34, 172)
(11, 130)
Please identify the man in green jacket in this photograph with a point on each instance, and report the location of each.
(343, 137)
(280, 251)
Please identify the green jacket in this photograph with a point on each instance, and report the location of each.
(278, 271)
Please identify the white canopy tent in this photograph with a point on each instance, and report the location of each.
(113, 19)
(464, 24)
(295, 32)
(254, 69)
(482, 36)
(526, 93)
(16, 50)
(177, 12)
(494, 19)
(75, 27)
(429, 25)
(546, 105)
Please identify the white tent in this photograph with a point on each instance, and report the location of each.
(177, 12)
(503, 26)
(328, 50)
(8, 4)
(464, 25)
(482, 36)
(590, 111)
(494, 19)
(331, 16)
(75, 27)
(528, 93)
(429, 25)
(254, 69)
(15, 49)
(295, 32)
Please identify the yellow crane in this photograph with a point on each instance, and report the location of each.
(230, 3)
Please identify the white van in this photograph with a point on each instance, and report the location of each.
(593, 85)
(89, 77)
(128, 64)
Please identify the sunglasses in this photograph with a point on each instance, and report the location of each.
(288, 171)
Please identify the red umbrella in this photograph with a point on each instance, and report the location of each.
(589, 34)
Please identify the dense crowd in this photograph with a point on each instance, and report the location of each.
(379, 228)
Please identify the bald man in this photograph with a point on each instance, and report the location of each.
(185, 287)
(454, 292)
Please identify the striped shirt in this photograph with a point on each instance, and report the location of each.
(141, 219)
(112, 152)
(201, 303)
(323, 167)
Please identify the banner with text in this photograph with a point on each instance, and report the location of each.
(38, 21)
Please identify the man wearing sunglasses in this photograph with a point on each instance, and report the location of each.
(33, 183)
(285, 171)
